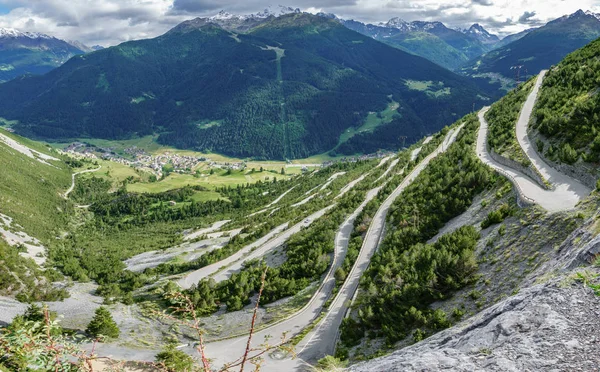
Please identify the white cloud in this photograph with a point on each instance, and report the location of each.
(110, 22)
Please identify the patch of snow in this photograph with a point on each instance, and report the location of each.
(595, 15)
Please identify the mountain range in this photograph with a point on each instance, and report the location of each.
(538, 49)
(287, 87)
(275, 84)
(432, 40)
(34, 53)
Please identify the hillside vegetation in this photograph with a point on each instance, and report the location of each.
(30, 203)
(568, 108)
(502, 119)
(288, 89)
(407, 275)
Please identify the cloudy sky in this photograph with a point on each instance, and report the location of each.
(109, 22)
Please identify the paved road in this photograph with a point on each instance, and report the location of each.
(562, 198)
(567, 191)
(230, 349)
(557, 179)
(261, 250)
(70, 190)
(321, 341)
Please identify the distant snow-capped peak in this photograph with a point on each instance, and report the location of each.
(395, 22)
(269, 11)
(14, 33)
(276, 12)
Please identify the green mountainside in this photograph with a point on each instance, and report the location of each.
(568, 108)
(539, 49)
(286, 89)
(30, 203)
(443, 244)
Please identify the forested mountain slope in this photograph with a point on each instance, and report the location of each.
(540, 48)
(286, 89)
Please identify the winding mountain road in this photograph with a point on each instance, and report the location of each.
(321, 341)
(567, 191)
(222, 351)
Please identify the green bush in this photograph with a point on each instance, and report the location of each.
(103, 324)
(497, 216)
(568, 155)
(175, 360)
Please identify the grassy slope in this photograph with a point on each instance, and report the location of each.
(29, 191)
(29, 194)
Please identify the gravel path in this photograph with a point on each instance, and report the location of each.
(195, 276)
(70, 190)
(216, 226)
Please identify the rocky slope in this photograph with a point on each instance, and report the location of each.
(550, 325)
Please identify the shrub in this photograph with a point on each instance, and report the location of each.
(568, 155)
(419, 335)
(175, 360)
(497, 216)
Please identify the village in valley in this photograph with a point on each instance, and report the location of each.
(172, 162)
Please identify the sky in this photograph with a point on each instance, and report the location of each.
(110, 22)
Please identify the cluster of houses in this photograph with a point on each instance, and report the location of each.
(179, 163)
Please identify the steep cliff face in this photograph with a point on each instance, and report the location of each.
(550, 325)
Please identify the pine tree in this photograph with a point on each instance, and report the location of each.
(103, 324)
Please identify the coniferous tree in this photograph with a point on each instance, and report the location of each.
(103, 324)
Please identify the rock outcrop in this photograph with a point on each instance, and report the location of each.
(547, 327)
